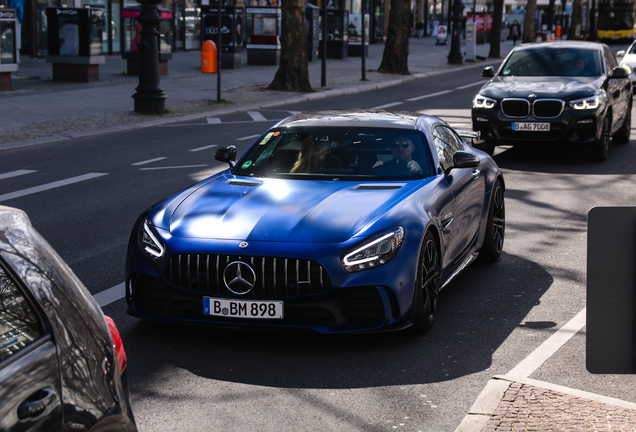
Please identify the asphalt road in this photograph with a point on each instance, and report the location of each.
(491, 317)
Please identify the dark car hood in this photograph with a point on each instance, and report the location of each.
(543, 87)
(280, 210)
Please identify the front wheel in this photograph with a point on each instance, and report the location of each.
(622, 136)
(600, 148)
(496, 225)
(426, 285)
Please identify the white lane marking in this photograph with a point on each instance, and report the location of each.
(470, 85)
(256, 116)
(48, 186)
(428, 95)
(531, 363)
(149, 161)
(110, 295)
(15, 173)
(388, 105)
(203, 148)
(247, 137)
(213, 120)
(173, 167)
(296, 112)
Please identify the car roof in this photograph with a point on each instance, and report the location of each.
(561, 44)
(358, 118)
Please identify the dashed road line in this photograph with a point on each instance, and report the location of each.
(148, 161)
(173, 167)
(16, 173)
(256, 116)
(203, 148)
(470, 85)
(429, 95)
(49, 186)
(248, 137)
(388, 105)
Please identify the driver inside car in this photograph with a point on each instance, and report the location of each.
(402, 150)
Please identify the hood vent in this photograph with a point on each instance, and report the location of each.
(378, 187)
(242, 183)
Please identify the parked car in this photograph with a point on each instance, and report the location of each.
(566, 91)
(628, 58)
(62, 362)
(336, 221)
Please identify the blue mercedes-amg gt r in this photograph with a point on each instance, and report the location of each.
(336, 221)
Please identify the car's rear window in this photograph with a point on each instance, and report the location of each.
(328, 152)
(543, 61)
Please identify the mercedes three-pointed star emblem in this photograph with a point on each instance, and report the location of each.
(239, 277)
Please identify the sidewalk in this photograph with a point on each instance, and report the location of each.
(40, 110)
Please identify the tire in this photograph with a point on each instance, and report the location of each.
(426, 285)
(600, 148)
(622, 136)
(496, 225)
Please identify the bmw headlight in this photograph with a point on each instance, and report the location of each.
(589, 103)
(149, 243)
(373, 252)
(483, 102)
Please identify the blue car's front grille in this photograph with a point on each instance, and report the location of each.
(274, 276)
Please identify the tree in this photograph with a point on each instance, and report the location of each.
(293, 71)
(574, 32)
(495, 32)
(396, 49)
(529, 22)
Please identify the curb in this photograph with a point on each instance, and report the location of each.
(488, 400)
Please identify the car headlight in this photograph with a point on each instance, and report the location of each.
(589, 103)
(149, 243)
(373, 252)
(483, 102)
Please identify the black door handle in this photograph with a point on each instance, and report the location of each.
(36, 403)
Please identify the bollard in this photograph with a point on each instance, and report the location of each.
(557, 31)
(208, 57)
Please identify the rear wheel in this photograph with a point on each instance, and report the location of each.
(622, 136)
(426, 285)
(496, 228)
(600, 148)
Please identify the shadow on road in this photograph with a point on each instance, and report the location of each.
(477, 312)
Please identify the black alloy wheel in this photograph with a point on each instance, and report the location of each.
(496, 225)
(427, 285)
(600, 148)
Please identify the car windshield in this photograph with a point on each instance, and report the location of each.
(542, 61)
(330, 152)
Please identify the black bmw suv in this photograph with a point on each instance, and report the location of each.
(565, 91)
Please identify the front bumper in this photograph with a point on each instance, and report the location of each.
(378, 299)
(580, 127)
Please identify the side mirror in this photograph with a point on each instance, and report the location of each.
(488, 72)
(620, 53)
(226, 154)
(619, 72)
(464, 160)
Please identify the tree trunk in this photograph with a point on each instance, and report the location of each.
(396, 49)
(528, 24)
(293, 72)
(574, 32)
(495, 33)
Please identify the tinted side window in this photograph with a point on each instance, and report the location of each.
(18, 322)
(446, 144)
(609, 59)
